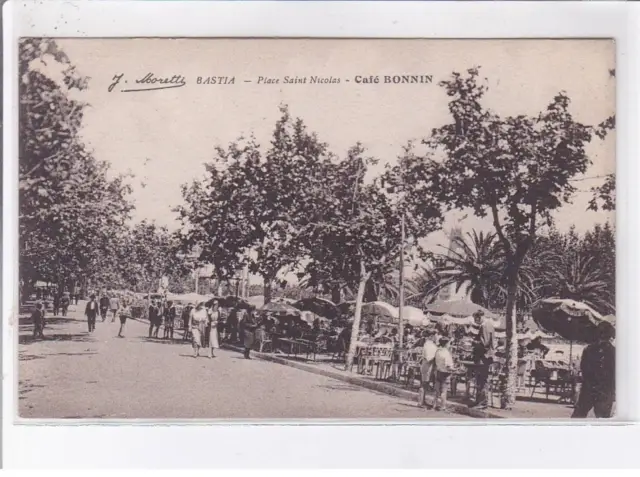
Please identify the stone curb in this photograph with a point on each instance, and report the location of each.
(365, 383)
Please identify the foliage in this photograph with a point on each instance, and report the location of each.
(604, 196)
(69, 207)
(515, 169)
(252, 207)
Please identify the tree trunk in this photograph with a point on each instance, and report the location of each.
(509, 391)
(336, 295)
(267, 289)
(355, 329)
(370, 292)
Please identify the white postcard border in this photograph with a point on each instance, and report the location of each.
(336, 446)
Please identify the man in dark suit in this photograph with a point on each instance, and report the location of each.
(155, 318)
(484, 350)
(91, 312)
(598, 366)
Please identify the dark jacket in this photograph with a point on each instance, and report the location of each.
(92, 309)
(170, 313)
(154, 314)
(249, 325)
(104, 303)
(598, 366)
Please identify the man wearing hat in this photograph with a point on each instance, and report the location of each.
(484, 349)
(598, 366)
(91, 312)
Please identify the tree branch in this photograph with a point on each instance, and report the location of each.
(498, 226)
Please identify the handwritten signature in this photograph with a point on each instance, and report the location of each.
(149, 82)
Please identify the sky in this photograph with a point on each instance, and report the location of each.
(166, 136)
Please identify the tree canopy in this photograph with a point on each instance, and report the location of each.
(517, 170)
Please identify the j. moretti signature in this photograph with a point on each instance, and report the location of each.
(149, 82)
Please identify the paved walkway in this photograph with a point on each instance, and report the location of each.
(525, 408)
(75, 374)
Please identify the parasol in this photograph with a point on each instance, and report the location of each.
(572, 320)
(458, 308)
(447, 319)
(318, 306)
(231, 301)
(310, 317)
(380, 308)
(281, 308)
(414, 316)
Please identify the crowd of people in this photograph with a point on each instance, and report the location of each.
(206, 325)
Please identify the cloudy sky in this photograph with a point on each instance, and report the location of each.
(164, 137)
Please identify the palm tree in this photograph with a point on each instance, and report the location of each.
(580, 278)
(474, 261)
(426, 285)
(386, 287)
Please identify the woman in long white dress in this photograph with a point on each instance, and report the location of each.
(214, 316)
(197, 325)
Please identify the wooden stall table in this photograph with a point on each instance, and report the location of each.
(293, 346)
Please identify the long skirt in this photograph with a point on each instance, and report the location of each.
(213, 337)
(198, 336)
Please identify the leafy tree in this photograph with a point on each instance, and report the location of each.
(604, 196)
(517, 170)
(355, 228)
(252, 206)
(148, 253)
(69, 208)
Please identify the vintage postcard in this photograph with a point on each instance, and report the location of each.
(278, 229)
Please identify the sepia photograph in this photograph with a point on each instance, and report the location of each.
(316, 229)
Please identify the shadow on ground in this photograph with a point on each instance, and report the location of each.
(340, 387)
(77, 337)
(161, 341)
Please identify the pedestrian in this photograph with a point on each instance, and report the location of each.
(484, 350)
(56, 303)
(125, 312)
(444, 367)
(37, 317)
(154, 319)
(214, 316)
(186, 316)
(114, 304)
(427, 366)
(104, 306)
(169, 319)
(598, 366)
(197, 325)
(91, 312)
(249, 325)
(232, 326)
(64, 303)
